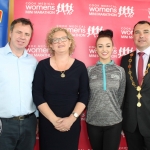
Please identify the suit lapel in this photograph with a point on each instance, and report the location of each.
(133, 68)
(147, 77)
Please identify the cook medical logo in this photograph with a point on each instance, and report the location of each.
(1, 15)
(67, 9)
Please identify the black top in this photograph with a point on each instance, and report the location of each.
(50, 87)
(61, 94)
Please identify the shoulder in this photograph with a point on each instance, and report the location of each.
(119, 68)
(4, 49)
(32, 58)
(43, 62)
(128, 55)
(79, 63)
(90, 68)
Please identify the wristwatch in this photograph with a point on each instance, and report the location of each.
(75, 115)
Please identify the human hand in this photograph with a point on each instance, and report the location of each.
(65, 123)
(56, 121)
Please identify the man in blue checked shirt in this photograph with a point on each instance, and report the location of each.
(18, 121)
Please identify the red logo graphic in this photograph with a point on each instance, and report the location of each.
(1, 15)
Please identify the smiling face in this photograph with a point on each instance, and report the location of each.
(104, 48)
(20, 37)
(60, 43)
(141, 36)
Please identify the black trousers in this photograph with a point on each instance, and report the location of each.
(135, 140)
(18, 134)
(104, 138)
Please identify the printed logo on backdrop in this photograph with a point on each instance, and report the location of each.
(102, 10)
(39, 8)
(67, 8)
(83, 116)
(126, 11)
(82, 30)
(149, 13)
(1, 15)
(75, 30)
(110, 10)
(38, 51)
(126, 33)
(122, 133)
(94, 30)
(124, 51)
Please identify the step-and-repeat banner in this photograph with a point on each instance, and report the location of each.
(84, 19)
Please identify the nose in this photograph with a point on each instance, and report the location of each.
(141, 35)
(22, 36)
(59, 40)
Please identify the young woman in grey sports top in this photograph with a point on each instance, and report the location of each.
(107, 86)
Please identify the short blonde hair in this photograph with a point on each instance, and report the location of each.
(49, 39)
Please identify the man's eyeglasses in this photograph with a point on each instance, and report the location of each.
(63, 39)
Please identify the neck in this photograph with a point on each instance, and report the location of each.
(61, 58)
(104, 61)
(17, 52)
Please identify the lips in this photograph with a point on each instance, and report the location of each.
(60, 46)
(20, 42)
(104, 53)
(141, 40)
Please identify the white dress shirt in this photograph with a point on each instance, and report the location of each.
(145, 59)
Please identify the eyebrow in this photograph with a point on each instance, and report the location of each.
(143, 30)
(106, 44)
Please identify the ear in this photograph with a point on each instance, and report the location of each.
(50, 45)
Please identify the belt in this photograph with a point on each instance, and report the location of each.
(22, 117)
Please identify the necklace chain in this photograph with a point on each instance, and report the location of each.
(138, 88)
(62, 72)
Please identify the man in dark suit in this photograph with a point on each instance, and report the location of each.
(136, 107)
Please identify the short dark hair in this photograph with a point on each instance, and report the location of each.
(24, 21)
(141, 22)
(105, 33)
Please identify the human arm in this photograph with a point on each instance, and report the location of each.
(83, 94)
(38, 94)
(66, 123)
(121, 90)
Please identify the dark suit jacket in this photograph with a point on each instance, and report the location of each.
(133, 115)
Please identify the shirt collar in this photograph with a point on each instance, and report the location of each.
(146, 51)
(110, 63)
(8, 51)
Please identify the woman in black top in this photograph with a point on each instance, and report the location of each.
(60, 91)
